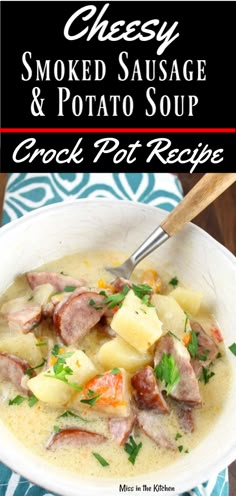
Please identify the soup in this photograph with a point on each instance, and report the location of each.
(113, 379)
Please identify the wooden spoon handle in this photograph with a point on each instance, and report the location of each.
(201, 195)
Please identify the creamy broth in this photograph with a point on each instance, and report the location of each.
(34, 426)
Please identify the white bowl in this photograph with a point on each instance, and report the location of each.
(204, 264)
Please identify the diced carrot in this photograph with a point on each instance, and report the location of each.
(109, 386)
(186, 339)
(61, 351)
(53, 360)
(216, 334)
(115, 309)
(152, 278)
(102, 284)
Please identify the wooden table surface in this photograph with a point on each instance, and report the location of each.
(219, 220)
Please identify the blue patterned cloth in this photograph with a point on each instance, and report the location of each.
(26, 192)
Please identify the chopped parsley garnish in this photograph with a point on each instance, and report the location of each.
(61, 375)
(55, 350)
(180, 447)
(32, 400)
(30, 298)
(193, 345)
(17, 400)
(68, 354)
(132, 448)
(60, 356)
(92, 303)
(116, 299)
(146, 300)
(168, 372)
(63, 273)
(219, 355)
(42, 343)
(174, 335)
(68, 414)
(29, 370)
(64, 379)
(56, 429)
(143, 292)
(91, 393)
(61, 369)
(35, 326)
(69, 289)
(204, 356)
(232, 348)
(178, 436)
(174, 282)
(91, 401)
(20, 399)
(115, 371)
(103, 293)
(100, 459)
(206, 375)
(186, 321)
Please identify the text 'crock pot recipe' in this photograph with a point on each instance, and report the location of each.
(108, 378)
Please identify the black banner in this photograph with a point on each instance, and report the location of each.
(128, 79)
(118, 153)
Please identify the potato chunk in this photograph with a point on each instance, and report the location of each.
(118, 353)
(137, 323)
(57, 392)
(51, 391)
(42, 293)
(23, 346)
(82, 367)
(188, 299)
(171, 314)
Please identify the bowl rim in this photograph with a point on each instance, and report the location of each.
(211, 468)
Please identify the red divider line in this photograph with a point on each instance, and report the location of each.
(163, 130)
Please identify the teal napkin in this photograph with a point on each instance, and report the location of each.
(26, 192)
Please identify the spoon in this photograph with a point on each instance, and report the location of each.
(210, 186)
